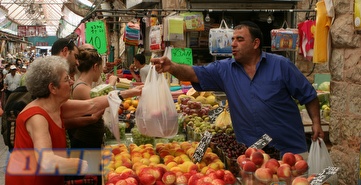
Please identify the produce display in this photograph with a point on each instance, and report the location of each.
(164, 163)
(258, 167)
(100, 90)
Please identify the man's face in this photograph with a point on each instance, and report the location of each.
(73, 61)
(243, 44)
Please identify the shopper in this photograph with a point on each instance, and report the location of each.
(91, 135)
(140, 65)
(260, 89)
(11, 81)
(40, 125)
(65, 47)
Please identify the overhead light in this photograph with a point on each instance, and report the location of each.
(207, 18)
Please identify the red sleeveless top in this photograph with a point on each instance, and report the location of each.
(22, 165)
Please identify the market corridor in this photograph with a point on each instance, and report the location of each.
(3, 156)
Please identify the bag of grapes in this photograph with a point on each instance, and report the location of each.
(156, 114)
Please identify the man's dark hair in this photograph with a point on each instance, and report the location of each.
(140, 58)
(62, 43)
(254, 30)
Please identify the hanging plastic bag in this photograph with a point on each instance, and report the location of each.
(319, 159)
(284, 39)
(220, 40)
(155, 38)
(156, 114)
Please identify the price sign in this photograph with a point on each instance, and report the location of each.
(95, 34)
(213, 114)
(202, 147)
(324, 175)
(262, 142)
(182, 56)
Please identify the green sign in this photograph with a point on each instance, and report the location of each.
(182, 56)
(95, 34)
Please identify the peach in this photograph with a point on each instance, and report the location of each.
(242, 162)
(284, 172)
(249, 166)
(301, 167)
(289, 158)
(220, 174)
(169, 177)
(131, 181)
(249, 151)
(273, 165)
(300, 181)
(116, 151)
(257, 158)
(240, 159)
(218, 182)
(298, 157)
(264, 175)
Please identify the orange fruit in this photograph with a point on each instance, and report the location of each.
(131, 108)
(135, 103)
(126, 105)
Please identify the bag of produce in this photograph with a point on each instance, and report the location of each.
(156, 114)
(102, 89)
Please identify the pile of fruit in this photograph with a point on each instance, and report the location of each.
(100, 90)
(257, 167)
(166, 163)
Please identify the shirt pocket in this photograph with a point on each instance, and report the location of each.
(269, 91)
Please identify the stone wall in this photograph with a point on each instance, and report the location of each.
(345, 99)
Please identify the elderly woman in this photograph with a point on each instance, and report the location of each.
(40, 133)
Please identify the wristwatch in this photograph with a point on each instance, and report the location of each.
(120, 96)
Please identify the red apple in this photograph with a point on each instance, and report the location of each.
(220, 174)
(116, 151)
(273, 165)
(194, 178)
(146, 179)
(218, 182)
(249, 151)
(242, 162)
(300, 181)
(289, 158)
(131, 181)
(121, 182)
(169, 177)
(181, 179)
(264, 175)
(257, 158)
(229, 178)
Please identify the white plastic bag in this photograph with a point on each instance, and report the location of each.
(156, 114)
(220, 40)
(319, 159)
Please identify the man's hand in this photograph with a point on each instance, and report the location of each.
(317, 132)
(162, 64)
(132, 67)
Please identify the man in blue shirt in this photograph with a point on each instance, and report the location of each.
(260, 88)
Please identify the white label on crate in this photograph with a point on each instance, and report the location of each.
(265, 139)
(323, 176)
(202, 147)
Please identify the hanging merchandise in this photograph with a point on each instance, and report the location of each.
(306, 31)
(357, 15)
(173, 27)
(156, 38)
(132, 33)
(322, 46)
(220, 40)
(193, 21)
(156, 115)
(284, 39)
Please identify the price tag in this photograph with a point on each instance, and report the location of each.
(213, 114)
(95, 34)
(265, 139)
(323, 176)
(202, 147)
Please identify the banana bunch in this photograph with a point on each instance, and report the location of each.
(123, 83)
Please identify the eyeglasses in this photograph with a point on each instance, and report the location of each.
(70, 41)
(67, 78)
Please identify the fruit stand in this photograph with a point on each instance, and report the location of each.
(147, 160)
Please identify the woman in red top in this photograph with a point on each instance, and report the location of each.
(40, 130)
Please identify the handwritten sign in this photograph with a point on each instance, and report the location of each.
(214, 113)
(262, 142)
(323, 176)
(202, 147)
(95, 34)
(182, 56)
